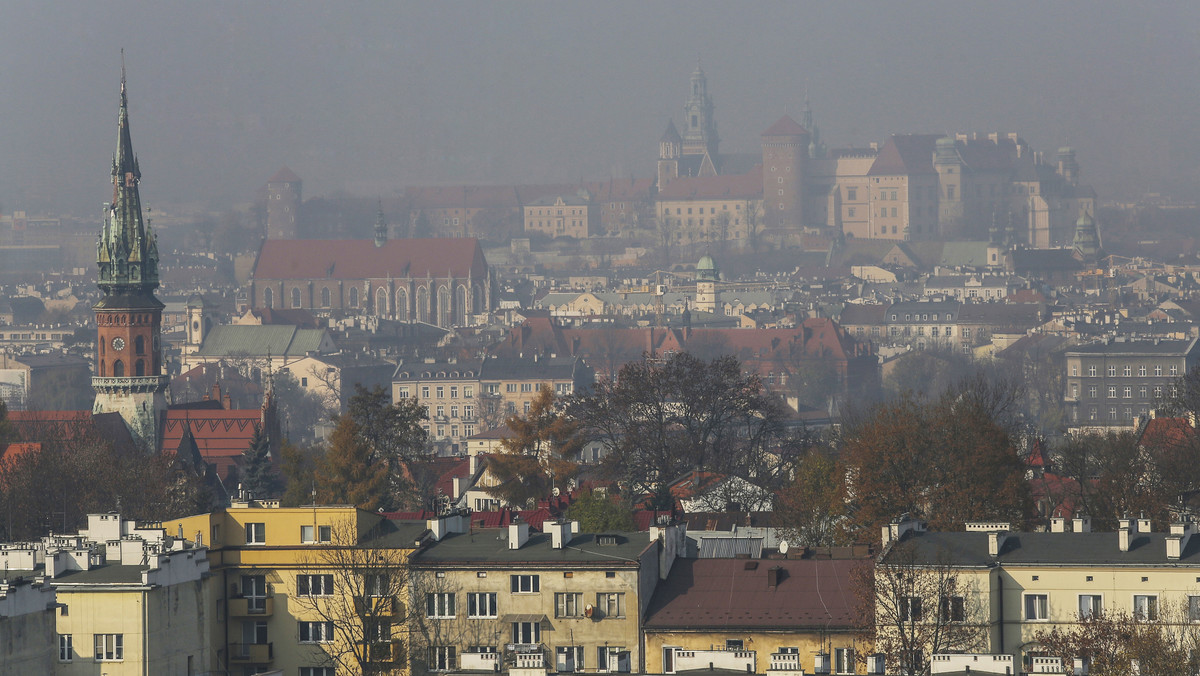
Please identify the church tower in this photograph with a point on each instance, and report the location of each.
(129, 376)
(283, 205)
(707, 277)
(670, 147)
(700, 129)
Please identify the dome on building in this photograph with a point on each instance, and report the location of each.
(706, 269)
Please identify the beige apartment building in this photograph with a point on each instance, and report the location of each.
(563, 216)
(559, 601)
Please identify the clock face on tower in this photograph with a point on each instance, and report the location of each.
(118, 343)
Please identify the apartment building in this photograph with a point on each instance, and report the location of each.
(450, 391)
(1112, 384)
(509, 385)
(559, 601)
(1014, 585)
(292, 594)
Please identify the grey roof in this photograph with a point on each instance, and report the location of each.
(107, 574)
(278, 340)
(971, 549)
(947, 310)
(490, 546)
(461, 369)
(1138, 347)
(396, 534)
(513, 368)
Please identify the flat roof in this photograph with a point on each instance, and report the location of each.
(490, 545)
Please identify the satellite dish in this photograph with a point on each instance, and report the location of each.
(555, 492)
(783, 546)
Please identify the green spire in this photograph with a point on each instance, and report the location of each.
(127, 254)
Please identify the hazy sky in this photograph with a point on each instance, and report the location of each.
(372, 96)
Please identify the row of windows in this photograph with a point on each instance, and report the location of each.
(468, 391)
(1094, 413)
(700, 210)
(483, 605)
(382, 298)
(107, 647)
(256, 534)
(1127, 370)
(934, 332)
(1036, 607)
(118, 368)
(1126, 392)
(908, 317)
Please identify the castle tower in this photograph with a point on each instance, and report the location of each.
(381, 228)
(199, 323)
(283, 205)
(670, 147)
(129, 376)
(707, 277)
(785, 161)
(700, 129)
(1068, 168)
(949, 167)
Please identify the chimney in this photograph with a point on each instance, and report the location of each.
(518, 534)
(472, 463)
(1058, 524)
(902, 524)
(1125, 523)
(775, 575)
(1177, 541)
(996, 542)
(1144, 524)
(560, 534)
(1082, 523)
(1123, 539)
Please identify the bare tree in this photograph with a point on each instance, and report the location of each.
(351, 601)
(914, 607)
(752, 212)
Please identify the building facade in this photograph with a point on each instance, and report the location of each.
(1114, 383)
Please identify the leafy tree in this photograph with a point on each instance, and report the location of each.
(660, 419)
(948, 461)
(597, 512)
(348, 474)
(811, 510)
(299, 468)
(300, 410)
(393, 435)
(539, 456)
(258, 473)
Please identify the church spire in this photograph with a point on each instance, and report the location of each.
(380, 228)
(126, 254)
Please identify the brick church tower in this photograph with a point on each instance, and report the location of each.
(129, 376)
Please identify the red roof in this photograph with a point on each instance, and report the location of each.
(727, 593)
(785, 126)
(905, 154)
(220, 435)
(284, 175)
(361, 259)
(1167, 432)
(743, 186)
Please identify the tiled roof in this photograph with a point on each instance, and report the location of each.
(1094, 548)
(738, 186)
(361, 259)
(728, 593)
(905, 154)
(785, 126)
(220, 435)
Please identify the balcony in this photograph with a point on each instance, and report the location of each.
(735, 660)
(251, 606)
(385, 652)
(379, 606)
(785, 662)
(479, 661)
(255, 653)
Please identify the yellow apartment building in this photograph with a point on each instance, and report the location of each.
(313, 591)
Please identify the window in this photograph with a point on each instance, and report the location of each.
(526, 632)
(568, 658)
(443, 657)
(377, 585)
(953, 609)
(1090, 605)
(612, 659)
(1074, 370)
(526, 584)
(1128, 392)
(110, 647)
(910, 609)
(852, 194)
(1036, 607)
(1142, 371)
(1145, 607)
(402, 393)
(316, 671)
(1174, 370)
(325, 296)
(843, 660)
(424, 391)
(314, 585)
(295, 297)
(468, 392)
(610, 604)
(256, 533)
(1092, 391)
(1158, 370)
(439, 605)
(526, 387)
(1112, 392)
(454, 392)
(1194, 608)
(1112, 371)
(66, 653)
(1128, 371)
(481, 604)
(1092, 371)
(1142, 392)
(441, 392)
(316, 632)
(510, 387)
(316, 534)
(569, 604)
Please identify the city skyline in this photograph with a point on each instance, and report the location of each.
(371, 99)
